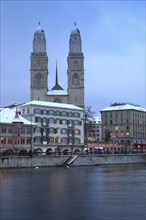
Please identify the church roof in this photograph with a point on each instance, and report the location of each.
(57, 87)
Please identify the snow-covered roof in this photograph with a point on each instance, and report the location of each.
(124, 107)
(57, 92)
(8, 116)
(53, 104)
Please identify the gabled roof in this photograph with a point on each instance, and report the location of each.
(8, 116)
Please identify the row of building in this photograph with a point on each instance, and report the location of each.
(51, 127)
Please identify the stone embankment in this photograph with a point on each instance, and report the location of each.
(68, 160)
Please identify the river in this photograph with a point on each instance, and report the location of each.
(115, 192)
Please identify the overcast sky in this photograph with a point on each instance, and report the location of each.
(113, 43)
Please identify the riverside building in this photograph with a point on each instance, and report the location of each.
(126, 124)
(59, 126)
(15, 133)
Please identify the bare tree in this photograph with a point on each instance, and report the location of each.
(89, 118)
(107, 135)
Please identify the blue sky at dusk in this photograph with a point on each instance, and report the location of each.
(113, 43)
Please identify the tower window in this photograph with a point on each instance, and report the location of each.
(75, 80)
(75, 65)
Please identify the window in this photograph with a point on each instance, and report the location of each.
(51, 112)
(44, 111)
(10, 141)
(4, 130)
(51, 130)
(28, 130)
(77, 132)
(57, 121)
(22, 130)
(3, 140)
(77, 122)
(64, 113)
(51, 120)
(38, 119)
(22, 141)
(70, 122)
(58, 113)
(10, 130)
(63, 131)
(64, 140)
(63, 121)
(76, 114)
(75, 80)
(37, 111)
(70, 114)
(28, 141)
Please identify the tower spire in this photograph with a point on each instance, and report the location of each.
(57, 86)
(56, 80)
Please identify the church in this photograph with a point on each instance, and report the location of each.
(39, 72)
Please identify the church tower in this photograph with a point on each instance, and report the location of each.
(75, 70)
(39, 67)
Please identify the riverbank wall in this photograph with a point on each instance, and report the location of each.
(66, 160)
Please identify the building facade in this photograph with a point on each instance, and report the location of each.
(93, 130)
(124, 123)
(15, 133)
(75, 71)
(59, 126)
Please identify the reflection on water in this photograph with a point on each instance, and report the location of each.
(79, 193)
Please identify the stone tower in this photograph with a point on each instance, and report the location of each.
(39, 67)
(75, 70)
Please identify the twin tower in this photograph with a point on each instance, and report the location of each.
(75, 71)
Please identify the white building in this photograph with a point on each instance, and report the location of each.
(124, 123)
(59, 126)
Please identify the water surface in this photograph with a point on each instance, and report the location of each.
(116, 192)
